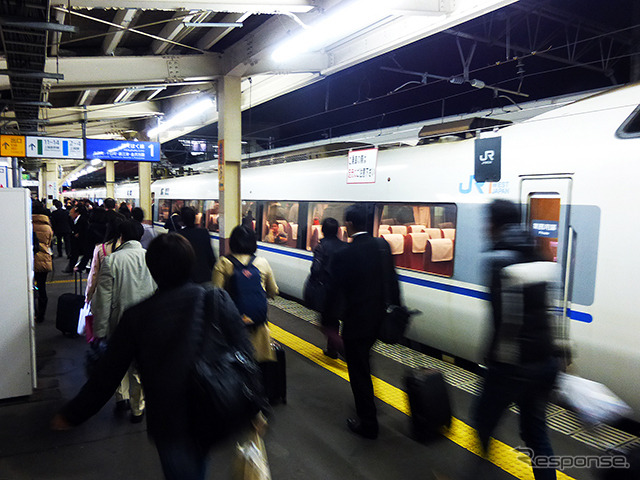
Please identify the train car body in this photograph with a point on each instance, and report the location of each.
(573, 171)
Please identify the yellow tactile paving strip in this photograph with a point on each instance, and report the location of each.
(501, 455)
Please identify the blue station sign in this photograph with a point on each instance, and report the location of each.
(122, 150)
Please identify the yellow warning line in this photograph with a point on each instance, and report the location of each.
(500, 454)
(60, 281)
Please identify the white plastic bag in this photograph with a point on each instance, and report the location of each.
(251, 461)
(593, 401)
(84, 311)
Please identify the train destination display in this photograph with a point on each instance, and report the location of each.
(122, 150)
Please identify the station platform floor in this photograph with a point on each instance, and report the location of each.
(307, 437)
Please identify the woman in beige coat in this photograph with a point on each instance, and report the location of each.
(42, 262)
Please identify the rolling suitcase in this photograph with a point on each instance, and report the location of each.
(69, 306)
(274, 376)
(429, 402)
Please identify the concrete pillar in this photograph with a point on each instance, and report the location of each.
(229, 152)
(51, 191)
(110, 180)
(16, 174)
(144, 178)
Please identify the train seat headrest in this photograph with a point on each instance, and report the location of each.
(441, 249)
(419, 242)
(434, 232)
(401, 229)
(396, 242)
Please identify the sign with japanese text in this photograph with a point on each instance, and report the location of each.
(361, 166)
(12, 146)
(55, 147)
(122, 150)
(544, 228)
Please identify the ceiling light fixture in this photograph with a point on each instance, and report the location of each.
(213, 25)
(335, 26)
(182, 117)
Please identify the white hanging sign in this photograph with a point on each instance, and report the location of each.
(361, 166)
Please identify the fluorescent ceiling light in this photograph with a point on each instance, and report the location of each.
(213, 25)
(182, 117)
(336, 25)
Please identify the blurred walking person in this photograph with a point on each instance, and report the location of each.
(521, 357)
(43, 262)
(159, 334)
(123, 281)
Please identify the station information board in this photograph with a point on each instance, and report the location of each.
(55, 147)
(122, 150)
(12, 146)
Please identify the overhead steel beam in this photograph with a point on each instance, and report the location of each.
(55, 37)
(213, 36)
(31, 74)
(256, 6)
(34, 25)
(124, 18)
(176, 30)
(116, 72)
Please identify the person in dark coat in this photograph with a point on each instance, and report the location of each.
(362, 275)
(521, 359)
(81, 248)
(61, 224)
(319, 279)
(201, 243)
(160, 334)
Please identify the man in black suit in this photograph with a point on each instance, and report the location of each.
(362, 281)
(61, 224)
(81, 248)
(201, 243)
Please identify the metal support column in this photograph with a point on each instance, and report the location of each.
(16, 177)
(110, 180)
(229, 160)
(51, 182)
(144, 178)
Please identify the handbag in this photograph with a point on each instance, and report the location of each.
(394, 323)
(593, 401)
(313, 294)
(225, 387)
(250, 461)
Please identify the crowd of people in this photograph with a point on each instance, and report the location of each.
(144, 299)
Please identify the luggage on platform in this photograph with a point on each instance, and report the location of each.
(274, 375)
(429, 402)
(69, 306)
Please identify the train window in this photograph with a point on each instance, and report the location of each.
(281, 223)
(317, 213)
(421, 236)
(197, 206)
(164, 210)
(249, 211)
(211, 212)
(630, 128)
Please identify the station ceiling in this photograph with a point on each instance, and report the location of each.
(115, 68)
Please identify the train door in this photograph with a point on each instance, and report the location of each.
(546, 203)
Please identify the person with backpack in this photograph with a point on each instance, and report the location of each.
(161, 335)
(247, 278)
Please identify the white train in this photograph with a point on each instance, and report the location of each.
(572, 169)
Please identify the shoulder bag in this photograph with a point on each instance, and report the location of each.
(225, 385)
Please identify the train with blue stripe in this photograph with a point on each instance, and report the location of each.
(572, 169)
